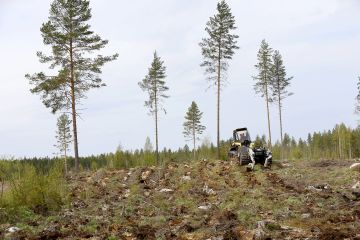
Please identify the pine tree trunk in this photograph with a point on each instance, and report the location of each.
(194, 139)
(281, 133)
(339, 141)
(350, 152)
(2, 189)
(65, 163)
(280, 116)
(156, 127)
(156, 137)
(73, 107)
(65, 152)
(268, 112)
(218, 104)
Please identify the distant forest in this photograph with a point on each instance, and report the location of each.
(341, 142)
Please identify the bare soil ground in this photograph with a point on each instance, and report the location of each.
(212, 200)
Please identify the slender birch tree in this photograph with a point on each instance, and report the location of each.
(279, 86)
(72, 43)
(192, 125)
(217, 49)
(154, 85)
(263, 79)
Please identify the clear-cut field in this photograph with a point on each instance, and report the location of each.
(206, 200)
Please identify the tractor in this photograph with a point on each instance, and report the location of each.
(242, 147)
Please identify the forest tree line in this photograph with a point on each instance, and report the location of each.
(341, 142)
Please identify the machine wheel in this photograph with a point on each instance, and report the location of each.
(232, 156)
(240, 158)
(270, 163)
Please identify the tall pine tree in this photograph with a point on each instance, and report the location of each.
(279, 85)
(217, 49)
(263, 79)
(192, 124)
(154, 85)
(63, 137)
(72, 42)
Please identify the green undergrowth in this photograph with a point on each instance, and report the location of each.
(32, 193)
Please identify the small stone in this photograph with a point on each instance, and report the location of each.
(305, 215)
(103, 183)
(356, 186)
(13, 229)
(208, 190)
(186, 178)
(216, 238)
(127, 234)
(204, 207)
(166, 190)
(285, 165)
(355, 167)
(105, 208)
(127, 193)
(312, 188)
(145, 175)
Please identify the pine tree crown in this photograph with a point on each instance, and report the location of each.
(264, 65)
(220, 45)
(192, 124)
(154, 85)
(63, 133)
(67, 30)
(279, 82)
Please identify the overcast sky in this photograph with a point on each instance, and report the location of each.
(319, 41)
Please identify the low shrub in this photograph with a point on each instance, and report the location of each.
(31, 189)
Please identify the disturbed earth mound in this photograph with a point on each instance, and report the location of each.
(212, 200)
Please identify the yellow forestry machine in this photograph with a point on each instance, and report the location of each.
(244, 151)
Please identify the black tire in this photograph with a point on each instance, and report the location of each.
(269, 164)
(231, 156)
(240, 158)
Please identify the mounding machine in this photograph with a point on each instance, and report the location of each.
(244, 151)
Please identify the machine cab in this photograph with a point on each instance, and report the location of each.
(242, 136)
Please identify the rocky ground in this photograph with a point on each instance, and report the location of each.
(212, 200)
